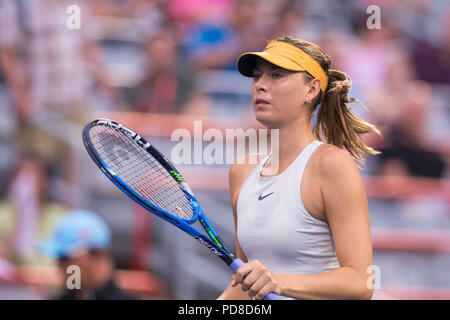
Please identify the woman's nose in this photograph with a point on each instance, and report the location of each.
(261, 84)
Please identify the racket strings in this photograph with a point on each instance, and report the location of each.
(142, 172)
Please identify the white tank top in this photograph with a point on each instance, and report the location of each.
(274, 226)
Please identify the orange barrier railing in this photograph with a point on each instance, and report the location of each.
(163, 125)
(411, 240)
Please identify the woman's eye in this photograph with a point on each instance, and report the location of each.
(276, 75)
(256, 76)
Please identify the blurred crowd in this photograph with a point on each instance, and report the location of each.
(149, 56)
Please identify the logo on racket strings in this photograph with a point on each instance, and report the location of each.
(176, 175)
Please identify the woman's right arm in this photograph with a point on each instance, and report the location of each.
(238, 174)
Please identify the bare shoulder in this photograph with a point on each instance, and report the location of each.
(332, 161)
(341, 185)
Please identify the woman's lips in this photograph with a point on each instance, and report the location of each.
(261, 102)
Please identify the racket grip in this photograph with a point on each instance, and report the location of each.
(235, 266)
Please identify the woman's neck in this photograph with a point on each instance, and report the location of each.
(293, 138)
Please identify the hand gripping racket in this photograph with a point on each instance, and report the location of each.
(147, 177)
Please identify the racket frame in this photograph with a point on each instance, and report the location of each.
(213, 241)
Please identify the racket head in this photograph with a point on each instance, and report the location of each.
(140, 171)
(121, 146)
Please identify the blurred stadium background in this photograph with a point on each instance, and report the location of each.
(159, 65)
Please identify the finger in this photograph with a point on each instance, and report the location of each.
(243, 271)
(257, 285)
(268, 287)
(264, 291)
(251, 278)
(233, 280)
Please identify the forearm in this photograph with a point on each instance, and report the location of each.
(340, 283)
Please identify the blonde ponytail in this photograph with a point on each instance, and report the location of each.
(336, 124)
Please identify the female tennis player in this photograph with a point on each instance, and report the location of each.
(304, 230)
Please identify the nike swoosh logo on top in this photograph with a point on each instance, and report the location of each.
(261, 197)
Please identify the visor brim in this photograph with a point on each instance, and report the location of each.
(247, 61)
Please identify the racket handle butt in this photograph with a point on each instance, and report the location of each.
(235, 266)
(271, 296)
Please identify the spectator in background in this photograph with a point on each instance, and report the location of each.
(168, 86)
(289, 18)
(406, 152)
(43, 63)
(432, 61)
(81, 239)
(215, 44)
(185, 13)
(151, 13)
(401, 110)
(367, 56)
(388, 103)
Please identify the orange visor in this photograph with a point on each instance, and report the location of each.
(286, 56)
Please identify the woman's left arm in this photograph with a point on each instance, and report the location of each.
(346, 210)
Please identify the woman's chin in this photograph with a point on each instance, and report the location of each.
(265, 119)
(263, 114)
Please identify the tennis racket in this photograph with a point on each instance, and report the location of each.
(146, 176)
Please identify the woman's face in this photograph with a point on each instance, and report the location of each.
(278, 95)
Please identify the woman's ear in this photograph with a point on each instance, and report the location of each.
(313, 89)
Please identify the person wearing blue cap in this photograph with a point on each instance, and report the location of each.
(81, 238)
